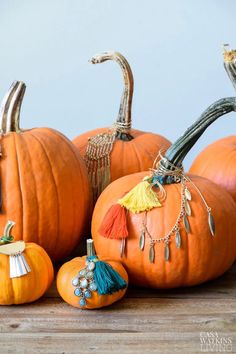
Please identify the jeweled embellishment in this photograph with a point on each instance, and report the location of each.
(75, 281)
(85, 283)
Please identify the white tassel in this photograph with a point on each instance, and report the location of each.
(18, 265)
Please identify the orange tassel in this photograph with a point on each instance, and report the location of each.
(114, 223)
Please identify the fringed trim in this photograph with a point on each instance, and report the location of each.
(114, 224)
(97, 159)
(107, 279)
(140, 198)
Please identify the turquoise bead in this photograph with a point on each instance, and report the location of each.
(92, 286)
(87, 294)
(82, 302)
(78, 292)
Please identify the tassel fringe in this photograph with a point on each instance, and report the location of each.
(107, 279)
(140, 198)
(114, 224)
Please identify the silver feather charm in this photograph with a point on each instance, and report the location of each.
(211, 223)
(187, 194)
(167, 252)
(152, 254)
(187, 208)
(178, 239)
(186, 224)
(142, 240)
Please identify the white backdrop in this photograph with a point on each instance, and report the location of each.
(174, 48)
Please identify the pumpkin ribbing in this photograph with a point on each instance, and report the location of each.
(202, 253)
(120, 150)
(42, 176)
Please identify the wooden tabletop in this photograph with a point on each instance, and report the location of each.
(146, 321)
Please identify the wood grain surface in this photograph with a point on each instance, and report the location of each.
(145, 321)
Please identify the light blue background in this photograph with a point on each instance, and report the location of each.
(174, 48)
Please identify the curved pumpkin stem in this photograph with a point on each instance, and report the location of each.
(177, 152)
(123, 122)
(7, 237)
(230, 63)
(11, 105)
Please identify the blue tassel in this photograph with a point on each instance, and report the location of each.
(107, 279)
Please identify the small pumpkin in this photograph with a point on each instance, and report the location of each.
(42, 176)
(171, 229)
(218, 160)
(90, 282)
(120, 150)
(28, 274)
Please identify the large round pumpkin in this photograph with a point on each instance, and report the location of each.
(200, 248)
(218, 160)
(120, 150)
(29, 287)
(44, 183)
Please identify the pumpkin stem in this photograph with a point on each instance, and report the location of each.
(177, 152)
(7, 237)
(230, 63)
(90, 248)
(10, 109)
(123, 122)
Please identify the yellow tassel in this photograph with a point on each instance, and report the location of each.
(140, 198)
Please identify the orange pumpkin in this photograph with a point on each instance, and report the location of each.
(31, 286)
(44, 183)
(189, 238)
(70, 271)
(218, 160)
(121, 150)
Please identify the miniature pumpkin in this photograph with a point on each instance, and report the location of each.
(171, 229)
(91, 282)
(44, 182)
(26, 271)
(218, 160)
(120, 150)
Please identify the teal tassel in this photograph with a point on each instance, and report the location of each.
(107, 279)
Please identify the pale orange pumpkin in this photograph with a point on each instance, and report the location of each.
(131, 150)
(29, 287)
(66, 289)
(196, 255)
(44, 182)
(218, 160)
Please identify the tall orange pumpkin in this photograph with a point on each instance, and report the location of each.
(183, 230)
(218, 160)
(44, 182)
(114, 152)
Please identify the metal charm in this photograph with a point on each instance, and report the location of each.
(178, 239)
(167, 252)
(152, 254)
(211, 223)
(142, 240)
(18, 263)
